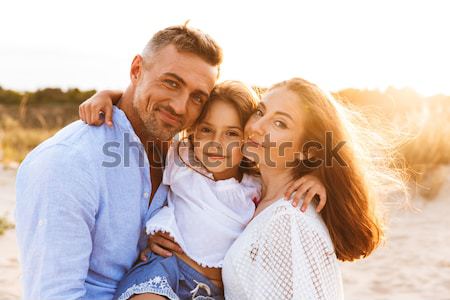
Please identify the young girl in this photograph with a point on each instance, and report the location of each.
(212, 198)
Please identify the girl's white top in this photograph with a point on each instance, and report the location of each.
(283, 254)
(203, 216)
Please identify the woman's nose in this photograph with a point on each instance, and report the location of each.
(257, 127)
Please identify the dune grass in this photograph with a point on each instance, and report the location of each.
(428, 147)
(423, 123)
(418, 126)
(24, 126)
(5, 225)
(16, 141)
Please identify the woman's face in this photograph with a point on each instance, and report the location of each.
(273, 133)
(218, 140)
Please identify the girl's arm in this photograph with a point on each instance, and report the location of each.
(98, 109)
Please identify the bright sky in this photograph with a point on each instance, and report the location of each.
(338, 44)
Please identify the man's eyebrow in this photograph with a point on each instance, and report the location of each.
(203, 93)
(278, 112)
(230, 127)
(181, 80)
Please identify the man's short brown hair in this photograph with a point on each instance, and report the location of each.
(186, 39)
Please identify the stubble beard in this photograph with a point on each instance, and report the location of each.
(154, 128)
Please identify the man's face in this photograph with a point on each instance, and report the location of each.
(170, 90)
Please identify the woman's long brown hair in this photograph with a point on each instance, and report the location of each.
(351, 213)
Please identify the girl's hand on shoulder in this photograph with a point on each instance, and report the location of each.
(308, 186)
(99, 108)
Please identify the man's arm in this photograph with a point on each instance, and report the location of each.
(55, 214)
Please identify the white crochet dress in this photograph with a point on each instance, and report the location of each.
(283, 254)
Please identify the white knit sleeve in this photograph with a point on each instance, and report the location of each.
(294, 260)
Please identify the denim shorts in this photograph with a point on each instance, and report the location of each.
(169, 277)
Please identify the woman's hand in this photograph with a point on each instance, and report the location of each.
(308, 186)
(161, 243)
(98, 109)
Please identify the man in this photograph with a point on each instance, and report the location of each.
(84, 194)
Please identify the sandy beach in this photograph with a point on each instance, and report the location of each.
(9, 264)
(413, 264)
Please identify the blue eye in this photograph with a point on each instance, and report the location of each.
(198, 99)
(171, 83)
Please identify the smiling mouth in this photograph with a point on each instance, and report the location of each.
(167, 117)
(214, 156)
(253, 143)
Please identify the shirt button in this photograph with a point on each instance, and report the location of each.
(146, 195)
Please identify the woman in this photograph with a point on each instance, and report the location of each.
(284, 253)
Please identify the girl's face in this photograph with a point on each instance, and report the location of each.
(273, 133)
(218, 139)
